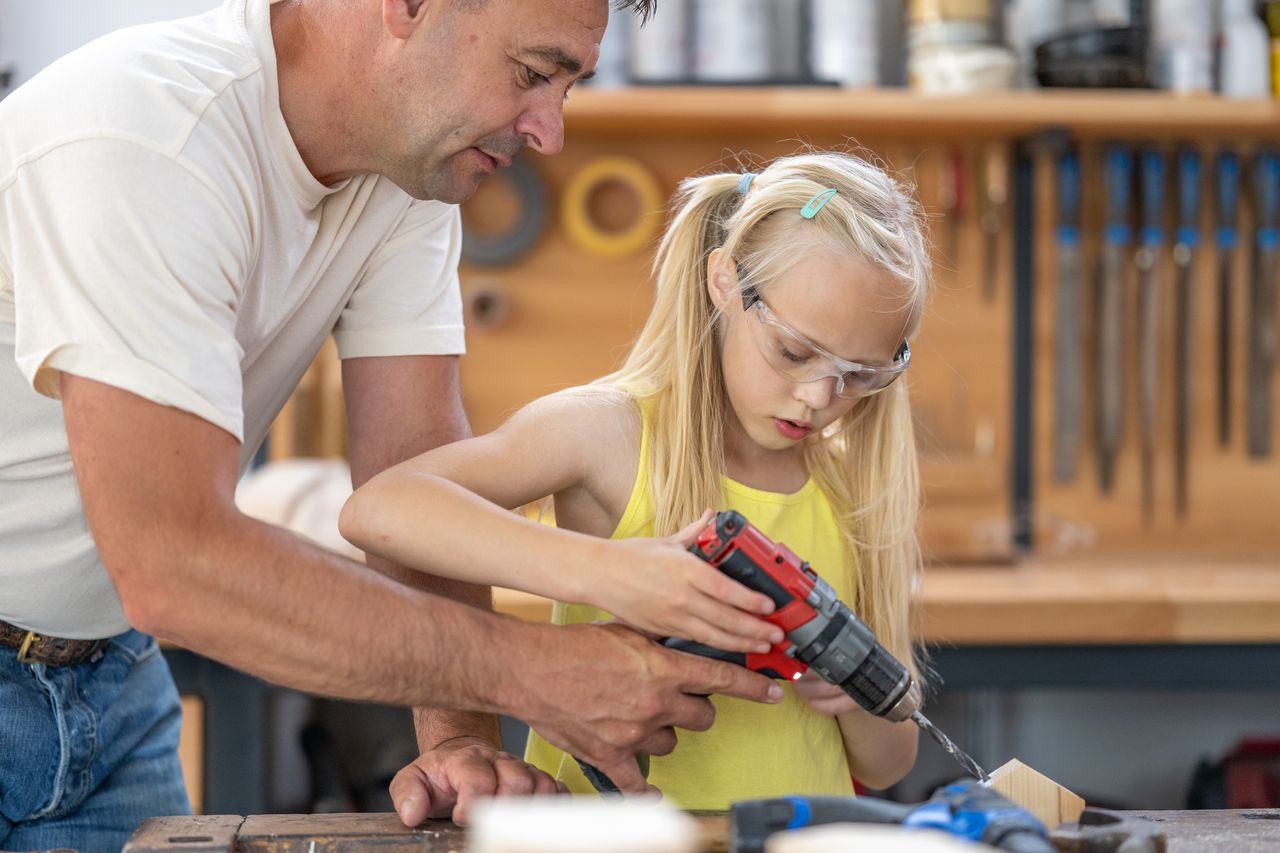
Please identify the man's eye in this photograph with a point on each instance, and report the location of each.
(531, 76)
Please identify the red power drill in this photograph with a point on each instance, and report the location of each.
(821, 632)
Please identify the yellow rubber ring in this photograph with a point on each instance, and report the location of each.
(575, 206)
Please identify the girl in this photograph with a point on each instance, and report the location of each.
(763, 381)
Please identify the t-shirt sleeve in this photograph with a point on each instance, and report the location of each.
(127, 268)
(408, 301)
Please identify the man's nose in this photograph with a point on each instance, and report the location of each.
(543, 125)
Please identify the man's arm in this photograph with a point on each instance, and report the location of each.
(158, 487)
(397, 408)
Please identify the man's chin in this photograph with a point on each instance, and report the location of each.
(454, 191)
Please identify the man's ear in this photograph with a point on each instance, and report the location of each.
(402, 17)
(722, 279)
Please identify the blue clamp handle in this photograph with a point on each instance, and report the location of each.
(1152, 180)
(1069, 199)
(1119, 176)
(1228, 199)
(1188, 198)
(1266, 177)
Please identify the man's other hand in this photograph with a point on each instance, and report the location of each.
(445, 781)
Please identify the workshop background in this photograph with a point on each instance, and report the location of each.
(1094, 384)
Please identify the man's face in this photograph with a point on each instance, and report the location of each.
(479, 82)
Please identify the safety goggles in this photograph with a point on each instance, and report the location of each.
(801, 360)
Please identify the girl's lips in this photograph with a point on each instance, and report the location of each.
(791, 429)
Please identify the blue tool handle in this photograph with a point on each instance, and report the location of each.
(1119, 176)
(1152, 180)
(1188, 198)
(1267, 195)
(1069, 199)
(1228, 198)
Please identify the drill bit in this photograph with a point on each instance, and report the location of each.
(957, 753)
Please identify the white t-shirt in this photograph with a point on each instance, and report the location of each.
(160, 232)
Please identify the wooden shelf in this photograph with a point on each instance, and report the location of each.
(1115, 600)
(732, 111)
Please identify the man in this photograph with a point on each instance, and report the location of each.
(186, 211)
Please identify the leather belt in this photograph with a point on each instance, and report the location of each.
(51, 651)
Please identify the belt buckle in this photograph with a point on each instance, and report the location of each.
(31, 637)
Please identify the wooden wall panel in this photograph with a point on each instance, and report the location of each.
(570, 317)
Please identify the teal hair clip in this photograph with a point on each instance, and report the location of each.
(744, 183)
(816, 203)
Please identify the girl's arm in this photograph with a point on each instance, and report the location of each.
(880, 753)
(446, 512)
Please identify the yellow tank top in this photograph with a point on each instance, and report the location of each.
(753, 750)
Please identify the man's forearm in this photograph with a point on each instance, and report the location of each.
(434, 725)
(265, 601)
(383, 435)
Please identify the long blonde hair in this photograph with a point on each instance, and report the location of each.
(865, 463)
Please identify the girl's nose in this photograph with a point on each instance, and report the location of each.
(818, 394)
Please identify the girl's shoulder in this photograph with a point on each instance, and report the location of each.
(600, 426)
(601, 420)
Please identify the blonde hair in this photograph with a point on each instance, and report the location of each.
(865, 463)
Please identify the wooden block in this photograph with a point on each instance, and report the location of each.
(1051, 803)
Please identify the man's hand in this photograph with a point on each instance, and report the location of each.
(604, 693)
(444, 781)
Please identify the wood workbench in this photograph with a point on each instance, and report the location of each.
(1245, 831)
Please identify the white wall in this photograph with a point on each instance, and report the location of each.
(33, 33)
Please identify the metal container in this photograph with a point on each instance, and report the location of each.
(731, 40)
(660, 48)
(1182, 35)
(844, 42)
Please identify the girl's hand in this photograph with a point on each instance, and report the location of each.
(657, 586)
(824, 697)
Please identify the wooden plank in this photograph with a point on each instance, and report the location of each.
(191, 834)
(1051, 803)
(1241, 831)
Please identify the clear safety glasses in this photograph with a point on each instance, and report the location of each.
(801, 360)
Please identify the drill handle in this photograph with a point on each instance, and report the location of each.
(773, 664)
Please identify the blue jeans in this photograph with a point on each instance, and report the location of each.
(88, 752)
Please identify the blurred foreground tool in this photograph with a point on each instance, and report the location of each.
(966, 809)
